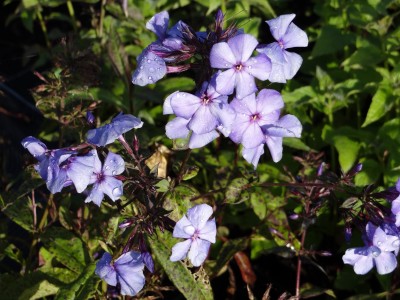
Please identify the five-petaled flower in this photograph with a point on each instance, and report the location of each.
(234, 55)
(103, 179)
(127, 271)
(380, 250)
(199, 233)
(285, 64)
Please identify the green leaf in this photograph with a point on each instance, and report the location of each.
(186, 282)
(35, 285)
(236, 192)
(20, 212)
(226, 253)
(170, 85)
(380, 105)
(260, 245)
(67, 248)
(178, 201)
(294, 143)
(371, 170)
(344, 143)
(365, 56)
(331, 40)
(82, 288)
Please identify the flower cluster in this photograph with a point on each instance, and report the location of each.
(226, 101)
(80, 167)
(382, 243)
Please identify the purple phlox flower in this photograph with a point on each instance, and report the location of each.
(127, 271)
(199, 233)
(285, 64)
(380, 250)
(78, 170)
(104, 180)
(50, 162)
(258, 122)
(108, 133)
(169, 47)
(234, 56)
(206, 110)
(199, 115)
(178, 129)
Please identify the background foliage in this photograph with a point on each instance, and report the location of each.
(75, 55)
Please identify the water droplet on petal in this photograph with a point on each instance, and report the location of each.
(379, 243)
(150, 78)
(116, 192)
(149, 61)
(396, 243)
(141, 68)
(114, 172)
(151, 69)
(106, 167)
(375, 253)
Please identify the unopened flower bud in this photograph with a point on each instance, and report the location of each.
(90, 118)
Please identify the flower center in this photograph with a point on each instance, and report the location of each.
(280, 42)
(238, 67)
(100, 177)
(255, 117)
(195, 235)
(206, 99)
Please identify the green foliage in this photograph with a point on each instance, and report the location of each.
(346, 94)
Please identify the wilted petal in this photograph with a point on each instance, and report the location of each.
(253, 155)
(209, 231)
(179, 229)
(200, 140)
(259, 67)
(180, 250)
(184, 104)
(294, 37)
(221, 56)
(159, 24)
(293, 64)
(242, 46)
(105, 271)
(275, 147)
(198, 251)
(279, 25)
(177, 128)
(225, 82)
(113, 165)
(198, 215)
(385, 263)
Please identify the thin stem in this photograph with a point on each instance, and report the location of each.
(43, 26)
(39, 230)
(102, 14)
(182, 168)
(72, 14)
